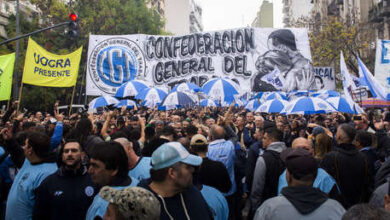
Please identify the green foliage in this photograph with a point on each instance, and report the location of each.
(104, 17)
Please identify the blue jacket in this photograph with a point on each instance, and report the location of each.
(323, 181)
(223, 151)
(99, 205)
(216, 201)
(21, 197)
(57, 136)
(142, 169)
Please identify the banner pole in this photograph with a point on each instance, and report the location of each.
(9, 100)
(20, 97)
(71, 101)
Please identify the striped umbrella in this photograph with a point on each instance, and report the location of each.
(131, 88)
(152, 95)
(324, 94)
(373, 102)
(308, 105)
(208, 103)
(272, 106)
(276, 95)
(102, 101)
(178, 99)
(221, 89)
(342, 105)
(185, 87)
(252, 105)
(128, 103)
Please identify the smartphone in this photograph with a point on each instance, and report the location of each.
(378, 115)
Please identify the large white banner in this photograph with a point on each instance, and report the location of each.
(243, 55)
(382, 63)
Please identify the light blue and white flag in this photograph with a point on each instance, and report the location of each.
(273, 79)
(377, 90)
(348, 84)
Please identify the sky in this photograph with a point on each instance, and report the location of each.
(228, 14)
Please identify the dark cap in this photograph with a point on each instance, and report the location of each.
(318, 130)
(301, 163)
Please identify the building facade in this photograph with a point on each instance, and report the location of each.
(295, 10)
(182, 17)
(265, 16)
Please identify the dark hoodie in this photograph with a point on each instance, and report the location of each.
(66, 194)
(349, 168)
(304, 199)
(193, 203)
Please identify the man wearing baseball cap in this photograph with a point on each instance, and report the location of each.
(130, 203)
(300, 200)
(171, 182)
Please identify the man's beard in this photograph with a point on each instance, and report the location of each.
(72, 166)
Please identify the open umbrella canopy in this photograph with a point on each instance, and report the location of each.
(276, 95)
(342, 105)
(178, 99)
(307, 106)
(324, 94)
(185, 87)
(298, 93)
(208, 103)
(152, 95)
(131, 88)
(272, 106)
(252, 105)
(221, 89)
(102, 101)
(128, 103)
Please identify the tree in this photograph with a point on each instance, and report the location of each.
(97, 17)
(329, 38)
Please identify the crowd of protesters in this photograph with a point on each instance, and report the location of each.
(198, 163)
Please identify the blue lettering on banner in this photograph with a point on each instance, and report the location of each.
(324, 72)
(385, 56)
(116, 65)
(53, 63)
(115, 61)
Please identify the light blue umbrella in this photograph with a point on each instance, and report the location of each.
(208, 103)
(272, 106)
(252, 105)
(179, 99)
(307, 106)
(221, 89)
(102, 101)
(131, 88)
(324, 94)
(185, 87)
(152, 95)
(342, 105)
(128, 103)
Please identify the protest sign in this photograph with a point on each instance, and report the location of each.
(6, 72)
(245, 55)
(42, 68)
(324, 78)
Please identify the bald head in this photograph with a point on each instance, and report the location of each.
(302, 143)
(217, 132)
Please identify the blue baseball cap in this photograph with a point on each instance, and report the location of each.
(173, 152)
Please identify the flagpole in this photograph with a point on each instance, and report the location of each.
(8, 103)
(71, 101)
(20, 96)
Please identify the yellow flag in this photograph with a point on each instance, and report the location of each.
(6, 71)
(42, 68)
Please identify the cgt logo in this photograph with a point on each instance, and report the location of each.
(115, 61)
